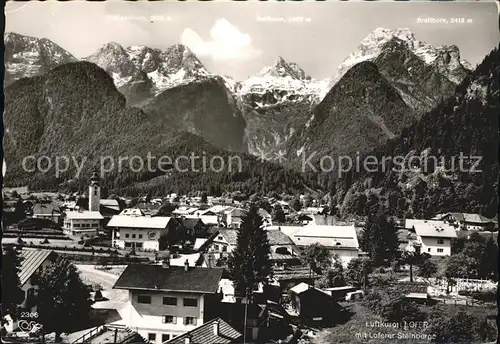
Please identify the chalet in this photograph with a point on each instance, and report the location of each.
(233, 217)
(142, 232)
(432, 236)
(215, 331)
(168, 301)
(468, 222)
(283, 249)
(193, 226)
(340, 240)
(33, 261)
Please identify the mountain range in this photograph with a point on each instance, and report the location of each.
(140, 99)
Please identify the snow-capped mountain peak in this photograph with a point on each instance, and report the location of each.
(283, 69)
(27, 56)
(373, 44)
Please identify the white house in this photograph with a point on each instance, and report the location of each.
(340, 240)
(167, 301)
(432, 236)
(140, 232)
(86, 223)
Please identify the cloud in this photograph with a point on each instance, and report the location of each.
(226, 44)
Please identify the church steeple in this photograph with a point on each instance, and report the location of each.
(94, 192)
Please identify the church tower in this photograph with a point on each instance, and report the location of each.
(94, 192)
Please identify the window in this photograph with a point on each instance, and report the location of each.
(440, 242)
(169, 319)
(152, 337)
(170, 301)
(224, 248)
(127, 235)
(144, 299)
(220, 237)
(190, 321)
(76, 225)
(216, 247)
(133, 236)
(188, 302)
(128, 244)
(165, 337)
(440, 250)
(140, 236)
(429, 250)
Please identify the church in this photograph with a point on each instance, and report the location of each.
(86, 223)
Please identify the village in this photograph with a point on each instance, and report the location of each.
(163, 270)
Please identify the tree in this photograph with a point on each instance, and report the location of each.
(426, 267)
(358, 270)
(63, 299)
(379, 239)
(166, 209)
(296, 205)
(279, 214)
(318, 257)
(334, 276)
(454, 327)
(204, 197)
(249, 263)
(12, 293)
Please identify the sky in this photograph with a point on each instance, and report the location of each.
(240, 38)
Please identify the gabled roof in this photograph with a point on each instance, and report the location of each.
(275, 237)
(174, 278)
(431, 228)
(132, 212)
(328, 236)
(158, 222)
(110, 203)
(303, 287)
(205, 334)
(84, 215)
(230, 235)
(278, 238)
(32, 260)
(191, 222)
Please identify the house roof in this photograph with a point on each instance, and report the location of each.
(278, 238)
(174, 278)
(191, 258)
(84, 215)
(199, 242)
(132, 212)
(110, 203)
(431, 228)
(468, 217)
(303, 287)
(32, 259)
(46, 209)
(275, 237)
(191, 222)
(205, 334)
(184, 210)
(159, 222)
(328, 236)
(230, 235)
